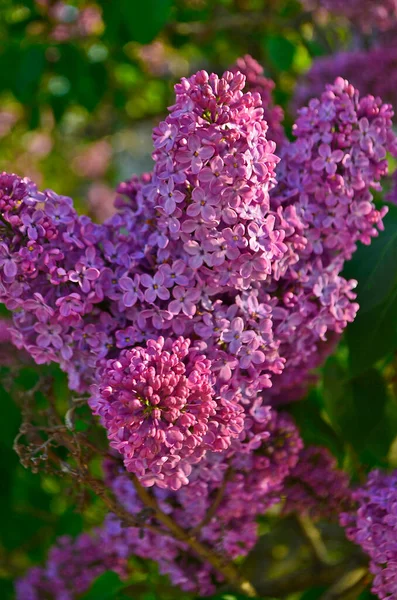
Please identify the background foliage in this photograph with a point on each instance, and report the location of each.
(81, 86)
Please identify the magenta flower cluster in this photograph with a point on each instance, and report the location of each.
(372, 524)
(257, 82)
(159, 408)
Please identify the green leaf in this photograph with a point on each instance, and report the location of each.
(373, 335)
(374, 266)
(146, 19)
(105, 587)
(313, 428)
(280, 51)
(28, 73)
(359, 408)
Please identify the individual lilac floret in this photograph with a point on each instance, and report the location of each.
(315, 486)
(372, 524)
(73, 565)
(159, 407)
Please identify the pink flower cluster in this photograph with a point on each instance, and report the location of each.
(51, 269)
(206, 247)
(159, 408)
(372, 524)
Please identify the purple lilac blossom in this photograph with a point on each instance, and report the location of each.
(371, 71)
(73, 565)
(372, 524)
(251, 473)
(315, 302)
(366, 14)
(315, 486)
(207, 246)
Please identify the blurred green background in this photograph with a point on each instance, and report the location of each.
(81, 86)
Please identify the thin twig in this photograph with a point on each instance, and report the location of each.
(313, 536)
(228, 569)
(349, 586)
(315, 576)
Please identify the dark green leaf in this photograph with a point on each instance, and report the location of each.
(9, 418)
(28, 73)
(145, 20)
(6, 589)
(280, 51)
(373, 335)
(358, 408)
(313, 428)
(374, 266)
(105, 587)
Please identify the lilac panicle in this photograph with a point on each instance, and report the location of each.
(73, 565)
(370, 71)
(315, 486)
(327, 174)
(367, 14)
(372, 524)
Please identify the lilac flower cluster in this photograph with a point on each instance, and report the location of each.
(73, 565)
(208, 296)
(367, 14)
(51, 271)
(316, 486)
(327, 175)
(249, 477)
(208, 248)
(159, 408)
(373, 525)
(371, 71)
